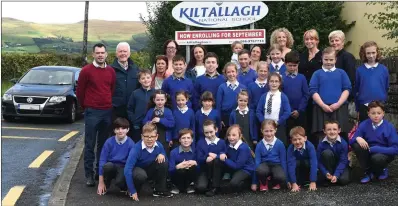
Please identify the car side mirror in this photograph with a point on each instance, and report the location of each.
(14, 80)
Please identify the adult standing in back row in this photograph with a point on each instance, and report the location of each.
(126, 81)
(94, 92)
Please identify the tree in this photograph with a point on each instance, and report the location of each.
(388, 20)
(295, 16)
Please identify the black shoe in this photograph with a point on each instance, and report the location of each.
(212, 192)
(162, 194)
(90, 181)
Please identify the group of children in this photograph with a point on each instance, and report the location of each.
(235, 127)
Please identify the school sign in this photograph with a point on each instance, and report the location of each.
(219, 15)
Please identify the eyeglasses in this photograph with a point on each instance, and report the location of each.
(171, 48)
(149, 137)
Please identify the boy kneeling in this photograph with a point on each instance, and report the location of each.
(147, 160)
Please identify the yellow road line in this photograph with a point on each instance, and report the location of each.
(19, 137)
(68, 136)
(33, 128)
(40, 159)
(13, 195)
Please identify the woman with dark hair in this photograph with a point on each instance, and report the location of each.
(170, 49)
(196, 65)
(161, 72)
(255, 56)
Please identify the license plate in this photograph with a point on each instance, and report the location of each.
(29, 106)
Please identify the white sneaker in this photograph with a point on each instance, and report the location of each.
(175, 191)
(190, 190)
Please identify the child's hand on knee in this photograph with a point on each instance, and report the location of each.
(223, 157)
(334, 179)
(160, 158)
(209, 159)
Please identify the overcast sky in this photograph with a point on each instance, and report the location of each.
(72, 12)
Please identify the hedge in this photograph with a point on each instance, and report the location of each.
(14, 65)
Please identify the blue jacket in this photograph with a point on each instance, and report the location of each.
(136, 109)
(126, 82)
(252, 123)
(284, 112)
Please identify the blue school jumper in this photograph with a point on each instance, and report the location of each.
(371, 84)
(137, 106)
(207, 83)
(284, 112)
(166, 122)
(140, 157)
(340, 152)
(308, 153)
(255, 93)
(281, 71)
(183, 120)
(383, 139)
(178, 155)
(114, 152)
(203, 149)
(247, 77)
(226, 100)
(296, 89)
(171, 85)
(200, 118)
(253, 129)
(240, 158)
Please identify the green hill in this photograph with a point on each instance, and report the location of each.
(22, 36)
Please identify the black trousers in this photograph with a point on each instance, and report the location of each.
(276, 172)
(374, 163)
(114, 171)
(223, 132)
(330, 161)
(210, 172)
(240, 179)
(281, 134)
(300, 121)
(182, 178)
(363, 113)
(136, 134)
(302, 171)
(155, 171)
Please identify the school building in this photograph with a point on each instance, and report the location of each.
(363, 30)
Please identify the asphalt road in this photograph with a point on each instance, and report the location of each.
(25, 162)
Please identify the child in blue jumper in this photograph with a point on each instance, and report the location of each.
(138, 103)
(184, 117)
(211, 80)
(206, 112)
(277, 65)
(275, 105)
(372, 79)
(332, 155)
(227, 94)
(113, 157)
(301, 161)
(246, 119)
(295, 87)
(270, 158)
(259, 87)
(146, 160)
(238, 160)
(375, 143)
(209, 151)
(160, 114)
(183, 167)
(178, 81)
(246, 74)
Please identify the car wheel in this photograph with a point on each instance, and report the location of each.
(8, 118)
(72, 113)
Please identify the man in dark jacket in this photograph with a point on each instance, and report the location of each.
(126, 80)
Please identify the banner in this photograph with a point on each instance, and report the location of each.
(218, 37)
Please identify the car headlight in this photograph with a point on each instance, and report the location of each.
(7, 97)
(58, 99)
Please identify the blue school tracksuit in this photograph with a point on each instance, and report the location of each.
(284, 112)
(167, 121)
(183, 120)
(309, 153)
(139, 157)
(226, 100)
(240, 159)
(383, 139)
(171, 85)
(253, 129)
(247, 77)
(281, 70)
(340, 152)
(296, 89)
(207, 83)
(371, 84)
(255, 93)
(200, 118)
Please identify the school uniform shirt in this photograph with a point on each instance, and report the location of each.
(200, 117)
(329, 84)
(253, 129)
(340, 152)
(296, 89)
(227, 95)
(279, 68)
(239, 157)
(306, 153)
(136, 108)
(256, 89)
(178, 155)
(247, 77)
(280, 108)
(184, 118)
(381, 138)
(115, 151)
(173, 84)
(207, 83)
(371, 83)
(141, 156)
(167, 121)
(205, 146)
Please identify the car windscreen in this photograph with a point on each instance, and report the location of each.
(47, 77)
